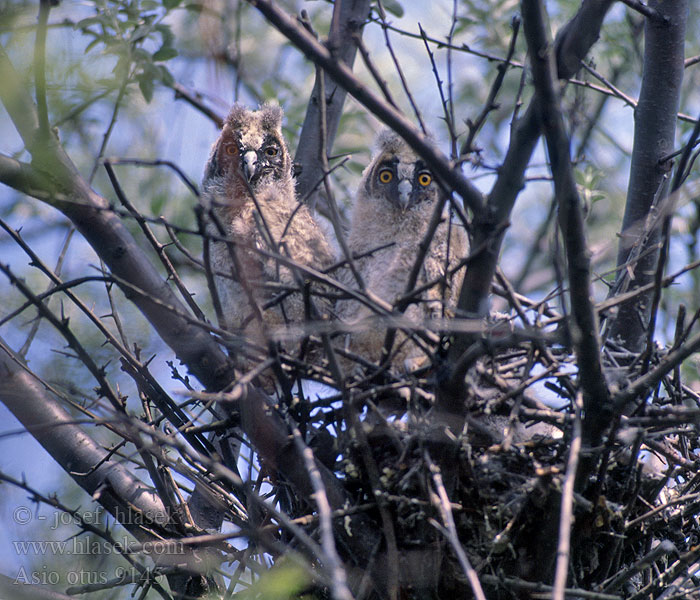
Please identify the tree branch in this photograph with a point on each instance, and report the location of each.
(80, 456)
(585, 322)
(348, 20)
(53, 178)
(193, 99)
(571, 45)
(654, 136)
(644, 9)
(17, 101)
(40, 66)
(331, 559)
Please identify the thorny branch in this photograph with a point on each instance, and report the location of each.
(586, 338)
(572, 43)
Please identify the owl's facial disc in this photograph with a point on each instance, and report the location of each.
(261, 164)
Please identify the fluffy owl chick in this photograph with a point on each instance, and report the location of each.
(249, 190)
(394, 205)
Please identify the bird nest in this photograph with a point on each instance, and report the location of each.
(501, 490)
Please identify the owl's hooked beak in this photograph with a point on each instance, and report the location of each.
(250, 162)
(405, 188)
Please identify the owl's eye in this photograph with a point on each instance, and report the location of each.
(424, 179)
(385, 175)
(271, 151)
(230, 149)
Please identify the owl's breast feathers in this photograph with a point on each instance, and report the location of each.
(294, 232)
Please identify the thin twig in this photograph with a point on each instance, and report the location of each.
(450, 86)
(668, 211)
(661, 508)
(566, 515)
(399, 70)
(490, 104)
(140, 162)
(442, 503)
(193, 99)
(110, 128)
(61, 324)
(59, 265)
(381, 82)
(645, 10)
(157, 246)
(443, 44)
(610, 86)
(543, 590)
(40, 67)
(444, 102)
(337, 575)
(323, 150)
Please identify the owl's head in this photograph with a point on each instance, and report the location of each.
(251, 149)
(397, 175)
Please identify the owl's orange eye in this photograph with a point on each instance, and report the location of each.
(425, 179)
(271, 151)
(230, 149)
(385, 175)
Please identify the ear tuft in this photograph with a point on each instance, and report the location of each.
(271, 116)
(388, 140)
(237, 117)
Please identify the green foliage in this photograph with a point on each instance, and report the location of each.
(284, 581)
(392, 6)
(587, 180)
(128, 31)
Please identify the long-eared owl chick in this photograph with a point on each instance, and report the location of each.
(249, 194)
(394, 205)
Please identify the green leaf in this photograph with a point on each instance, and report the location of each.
(166, 34)
(170, 4)
(92, 44)
(139, 54)
(283, 582)
(141, 32)
(393, 7)
(149, 70)
(165, 54)
(157, 204)
(121, 69)
(85, 23)
(166, 76)
(146, 87)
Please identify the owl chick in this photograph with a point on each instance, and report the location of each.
(249, 191)
(393, 208)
